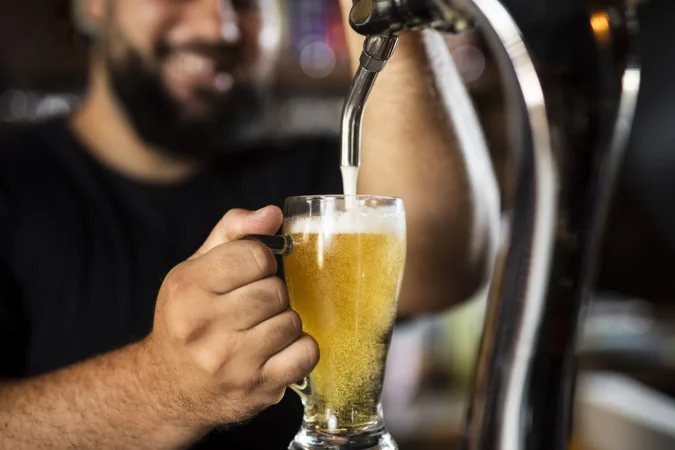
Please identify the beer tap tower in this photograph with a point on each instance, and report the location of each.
(571, 79)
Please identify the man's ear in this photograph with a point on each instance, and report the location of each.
(89, 15)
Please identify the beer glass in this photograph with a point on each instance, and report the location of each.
(343, 260)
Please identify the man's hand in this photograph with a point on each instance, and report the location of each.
(224, 346)
(225, 339)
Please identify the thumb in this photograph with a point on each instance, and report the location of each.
(239, 222)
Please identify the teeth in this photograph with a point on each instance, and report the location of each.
(197, 64)
(224, 82)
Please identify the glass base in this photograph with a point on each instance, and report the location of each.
(311, 439)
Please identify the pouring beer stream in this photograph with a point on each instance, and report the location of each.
(377, 50)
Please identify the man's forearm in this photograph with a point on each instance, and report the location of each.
(102, 403)
(410, 150)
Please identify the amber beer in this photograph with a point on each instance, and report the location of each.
(343, 278)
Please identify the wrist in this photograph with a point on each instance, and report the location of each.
(162, 396)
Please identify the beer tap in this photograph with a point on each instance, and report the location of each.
(571, 79)
(377, 49)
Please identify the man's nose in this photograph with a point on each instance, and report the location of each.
(216, 21)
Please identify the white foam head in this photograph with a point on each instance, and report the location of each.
(353, 220)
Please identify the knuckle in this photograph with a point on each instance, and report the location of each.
(312, 355)
(294, 323)
(254, 382)
(305, 359)
(181, 329)
(230, 214)
(278, 288)
(188, 326)
(208, 360)
(293, 373)
(263, 258)
(188, 320)
(179, 281)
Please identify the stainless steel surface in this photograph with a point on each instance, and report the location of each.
(376, 52)
(352, 117)
(380, 47)
(517, 298)
(571, 79)
(373, 17)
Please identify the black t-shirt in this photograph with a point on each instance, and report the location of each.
(83, 250)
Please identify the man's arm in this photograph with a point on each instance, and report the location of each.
(103, 403)
(410, 151)
(225, 345)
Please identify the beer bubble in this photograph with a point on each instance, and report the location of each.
(344, 282)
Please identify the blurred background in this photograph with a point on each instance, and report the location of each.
(43, 57)
(627, 366)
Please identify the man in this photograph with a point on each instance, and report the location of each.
(127, 320)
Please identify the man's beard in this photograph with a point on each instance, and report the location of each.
(158, 119)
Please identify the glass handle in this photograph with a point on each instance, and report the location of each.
(303, 389)
(279, 244)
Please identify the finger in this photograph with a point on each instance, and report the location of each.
(233, 265)
(254, 303)
(293, 363)
(239, 222)
(275, 334)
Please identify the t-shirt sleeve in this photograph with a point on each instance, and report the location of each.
(13, 326)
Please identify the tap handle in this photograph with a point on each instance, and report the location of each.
(388, 17)
(377, 50)
(370, 17)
